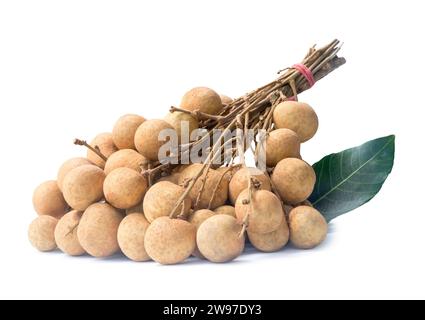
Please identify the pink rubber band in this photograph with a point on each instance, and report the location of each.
(306, 72)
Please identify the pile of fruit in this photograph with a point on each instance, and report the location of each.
(105, 202)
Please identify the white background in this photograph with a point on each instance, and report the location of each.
(71, 68)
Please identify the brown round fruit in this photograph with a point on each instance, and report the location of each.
(67, 166)
(170, 241)
(182, 121)
(197, 218)
(272, 241)
(48, 200)
(97, 231)
(281, 144)
(203, 99)
(83, 186)
(125, 158)
(41, 233)
(161, 198)
(298, 117)
(240, 181)
(66, 234)
(147, 140)
(294, 179)
(131, 237)
(213, 179)
(307, 227)
(265, 212)
(226, 209)
(124, 188)
(125, 129)
(106, 146)
(219, 238)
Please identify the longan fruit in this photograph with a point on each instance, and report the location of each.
(48, 200)
(281, 144)
(265, 212)
(203, 99)
(97, 231)
(106, 145)
(226, 209)
(68, 166)
(219, 238)
(298, 117)
(170, 241)
(240, 182)
(125, 129)
(66, 234)
(225, 100)
(41, 233)
(176, 120)
(147, 140)
(197, 218)
(307, 227)
(161, 198)
(294, 179)
(124, 188)
(213, 178)
(128, 158)
(131, 237)
(272, 241)
(83, 186)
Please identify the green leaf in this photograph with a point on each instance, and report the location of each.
(348, 179)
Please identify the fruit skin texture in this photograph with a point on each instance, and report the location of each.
(48, 200)
(128, 158)
(213, 178)
(218, 238)
(281, 144)
(307, 227)
(298, 117)
(83, 186)
(67, 166)
(272, 241)
(203, 99)
(106, 146)
(125, 129)
(294, 179)
(131, 237)
(41, 233)
(226, 209)
(197, 218)
(146, 138)
(170, 241)
(265, 212)
(66, 234)
(176, 118)
(124, 188)
(239, 182)
(97, 231)
(161, 198)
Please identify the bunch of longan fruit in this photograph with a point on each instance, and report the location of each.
(104, 203)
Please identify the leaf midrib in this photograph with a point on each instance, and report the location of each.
(353, 173)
